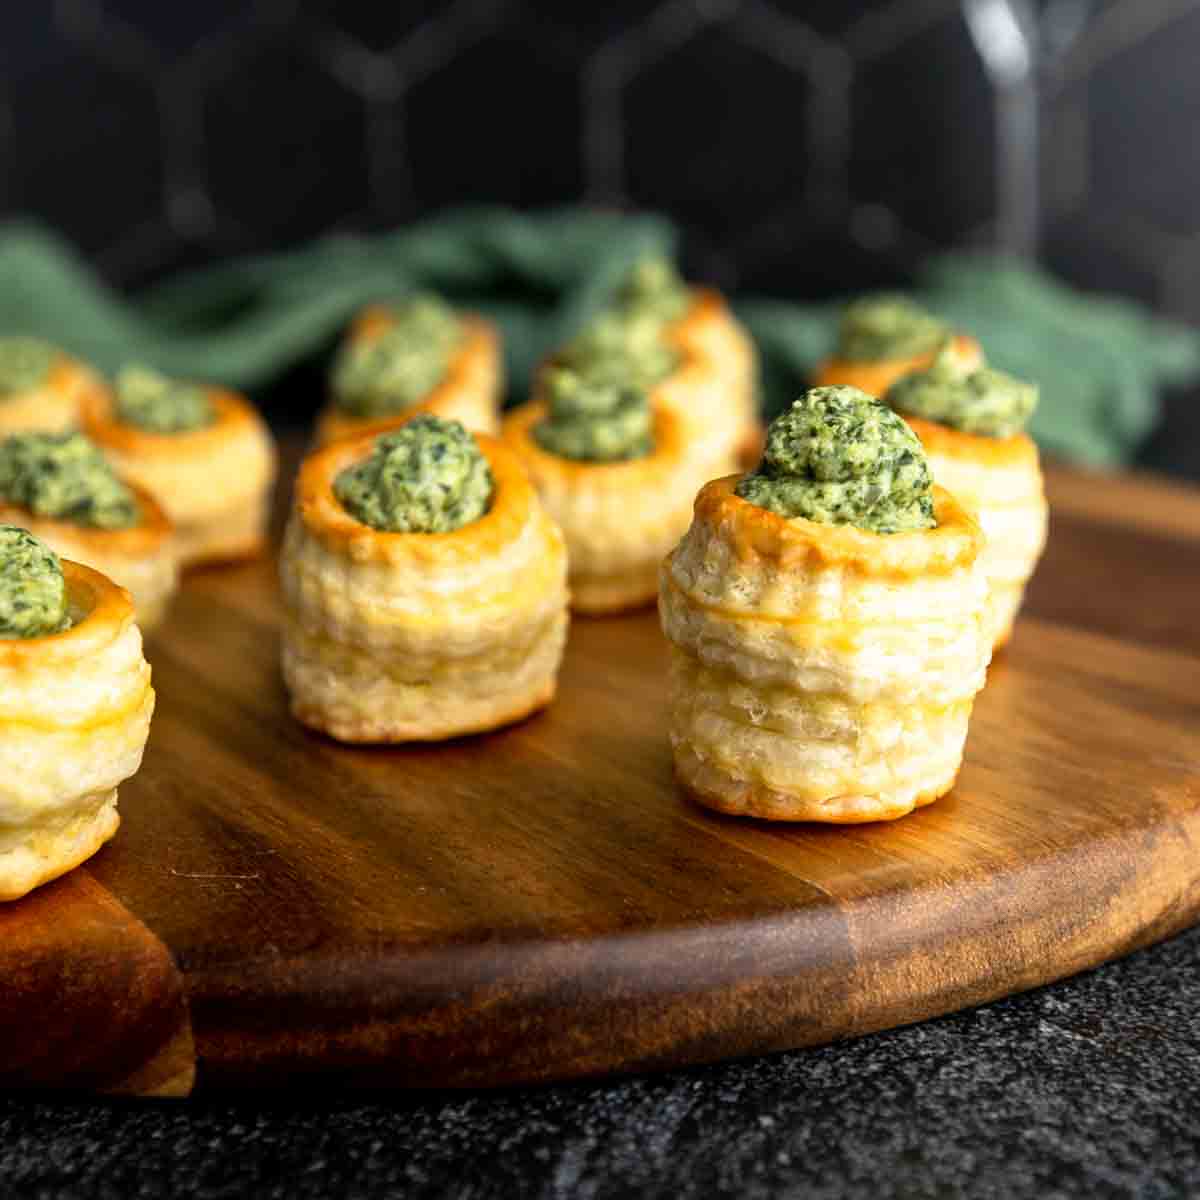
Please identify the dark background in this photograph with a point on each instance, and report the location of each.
(805, 148)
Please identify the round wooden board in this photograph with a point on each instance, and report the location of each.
(542, 903)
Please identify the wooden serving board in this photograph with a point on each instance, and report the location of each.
(542, 903)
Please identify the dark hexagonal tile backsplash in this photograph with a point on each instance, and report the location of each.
(803, 147)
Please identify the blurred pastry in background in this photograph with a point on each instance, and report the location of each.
(417, 355)
(203, 452)
(62, 489)
(75, 709)
(971, 421)
(618, 475)
(826, 615)
(684, 345)
(41, 386)
(424, 587)
(882, 338)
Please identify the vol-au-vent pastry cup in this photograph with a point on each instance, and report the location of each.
(75, 711)
(54, 406)
(214, 482)
(1000, 481)
(469, 392)
(619, 518)
(821, 672)
(715, 388)
(142, 559)
(875, 376)
(392, 637)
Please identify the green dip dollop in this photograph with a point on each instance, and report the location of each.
(842, 457)
(594, 418)
(25, 364)
(64, 476)
(429, 476)
(621, 346)
(654, 287)
(151, 401)
(887, 325)
(33, 592)
(378, 376)
(981, 401)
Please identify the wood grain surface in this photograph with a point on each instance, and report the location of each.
(541, 903)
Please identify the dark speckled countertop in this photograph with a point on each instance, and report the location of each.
(1087, 1088)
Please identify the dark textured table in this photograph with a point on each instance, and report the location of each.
(1091, 1087)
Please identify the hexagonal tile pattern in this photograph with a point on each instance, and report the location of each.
(922, 142)
(500, 122)
(85, 150)
(714, 132)
(1140, 102)
(175, 28)
(286, 153)
(378, 26)
(804, 146)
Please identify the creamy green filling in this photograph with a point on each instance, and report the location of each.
(626, 342)
(429, 476)
(593, 418)
(655, 287)
(375, 377)
(841, 457)
(982, 401)
(25, 364)
(151, 401)
(64, 477)
(887, 325)
(33, 592)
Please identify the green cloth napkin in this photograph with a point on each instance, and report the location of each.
(1100, 361)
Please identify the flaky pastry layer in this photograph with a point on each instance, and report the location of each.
(821, 672)
(389, 635)
(55, 406)
(618, 518)
(75, 713)
(470, 391)
(875, 377)
(214, 483)
(144, 560)
(1000, 481)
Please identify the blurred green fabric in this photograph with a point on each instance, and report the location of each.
(1101, 361)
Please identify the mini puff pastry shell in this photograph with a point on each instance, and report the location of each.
(875, 376)
(75, 712)
(469, 392)
(1000, 481)
(714, 389)
(54, 407)
(821, 672)
(214, 483)
(142, 559)
(619, 518)
(394, 637)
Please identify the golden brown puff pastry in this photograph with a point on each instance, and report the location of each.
(53, 407)
(1000, 481)
(821, 672)
(214, 483)
(618, 518)
(392, 637)
(876, 377)
(470, 391)
(75, 712)
(143, 559)
(708, 335)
